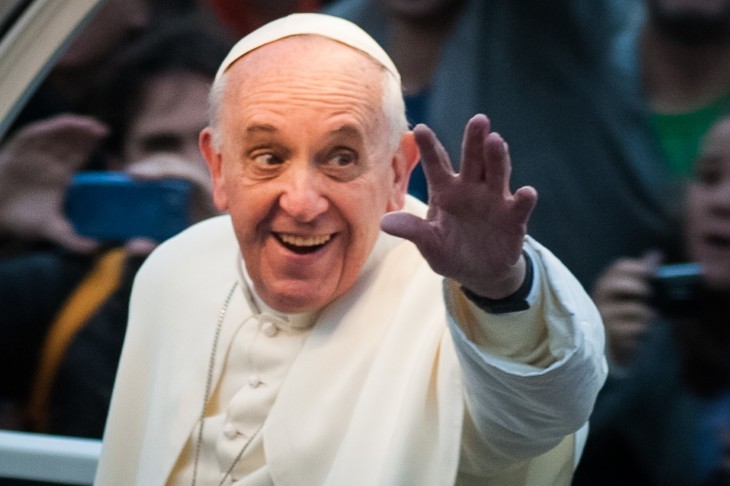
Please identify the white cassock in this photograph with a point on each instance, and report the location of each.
(401, 381)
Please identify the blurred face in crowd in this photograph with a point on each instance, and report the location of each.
(306, 167)
(708, 208)
(692, 22)
(163, 135)
(421, 10)
(173, 111)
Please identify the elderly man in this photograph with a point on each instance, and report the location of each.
(293, 342)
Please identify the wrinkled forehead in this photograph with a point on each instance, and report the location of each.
(306, 56)
(334, 28)
(304, 74)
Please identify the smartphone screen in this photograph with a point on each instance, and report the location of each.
(112, 206)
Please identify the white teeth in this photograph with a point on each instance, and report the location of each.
(304, 240)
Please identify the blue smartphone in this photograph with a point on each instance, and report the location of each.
(113, 206)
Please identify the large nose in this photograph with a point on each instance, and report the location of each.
(303, 196)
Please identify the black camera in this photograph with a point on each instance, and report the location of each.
(676, 288)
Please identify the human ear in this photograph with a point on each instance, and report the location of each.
(215, 165)
(404, 160)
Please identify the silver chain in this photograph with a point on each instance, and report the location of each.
(208, 385)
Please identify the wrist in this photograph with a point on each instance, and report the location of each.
(516, 301)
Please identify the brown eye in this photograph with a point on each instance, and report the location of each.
(342, 159)
(267, 159)
(264, 165)
(342, 165)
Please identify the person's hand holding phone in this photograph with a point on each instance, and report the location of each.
(173, 166)
(36, 167)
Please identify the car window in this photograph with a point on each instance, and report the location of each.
(33, 35)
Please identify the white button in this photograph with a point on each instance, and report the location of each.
(229, 430)
(254, 381)
(269, 329)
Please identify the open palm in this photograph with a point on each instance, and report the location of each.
(475, 226)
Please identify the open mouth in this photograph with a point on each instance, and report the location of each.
(303, 244)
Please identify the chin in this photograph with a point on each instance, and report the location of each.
(292, 303)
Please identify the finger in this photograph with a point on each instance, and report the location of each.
(140, 246)
(473, 148)
(623, 287)
(166, 166)
(630, 332)
(412, 228)
(624, 279)
(651, 260)
(524, 202)
(62, 232)
(71, 137)
(498, 166)
(621, 314)
(403, 225)
(434, 159)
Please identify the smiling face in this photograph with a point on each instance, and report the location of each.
(708, 207)
(305, 166)
(172, 111)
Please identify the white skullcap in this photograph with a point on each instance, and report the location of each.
(334, 28)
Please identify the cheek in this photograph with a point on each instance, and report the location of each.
(250, 206)
(362, 212)
(689, 226)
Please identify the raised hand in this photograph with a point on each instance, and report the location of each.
(36, 166)
(475, 226)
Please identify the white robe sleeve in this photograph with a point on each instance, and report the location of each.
(531, 377)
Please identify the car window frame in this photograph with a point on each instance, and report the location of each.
(32, 43)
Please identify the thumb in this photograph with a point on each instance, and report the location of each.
(651, 259)
(422, 234)
(62, 232)
(404, 225)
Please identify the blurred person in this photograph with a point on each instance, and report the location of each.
(112, 26)
(55, 124)
(239, 17)
(684, 57)
(574, 86)
(36, 166)
(65, 312)
(664, 415)
(317, 334)
(54, 131)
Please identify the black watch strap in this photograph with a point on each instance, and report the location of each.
(515, 302)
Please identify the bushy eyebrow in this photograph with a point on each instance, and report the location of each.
(348, 131)
(261, 128)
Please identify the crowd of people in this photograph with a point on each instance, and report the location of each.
(668, 394)
(603, 157)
